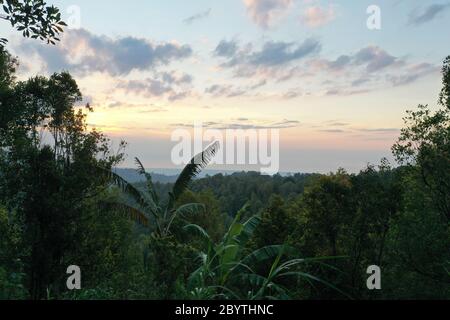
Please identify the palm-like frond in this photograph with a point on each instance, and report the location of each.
(184, 210)
(134, 214)
(248, 230)
(140, 169)
(200, 231)
(191, 170)
(267, 253)
(130, 190)
(131, 212)
(148, 178)
(189, 209)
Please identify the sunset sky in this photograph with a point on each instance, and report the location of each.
(335, 89)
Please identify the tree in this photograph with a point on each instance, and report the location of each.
(147, 205)
(165, 253)
(277, 224)
(376, 195)
(444, 97)
(34, 18)
(8, 66)
(419, 241)
(424, 146)
(212, 218)
(327, 209)
(44, 183)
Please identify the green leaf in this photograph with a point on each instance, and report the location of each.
(191, 170)
(190, 209)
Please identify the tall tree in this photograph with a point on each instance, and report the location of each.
(424, 146)
(47, 181)
(419, 242)
(444, 97)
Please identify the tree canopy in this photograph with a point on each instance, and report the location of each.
(33, 18)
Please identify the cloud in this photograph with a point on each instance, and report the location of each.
(427, 14)
(373, 65)
(292, 94)
(271, 54)
(144, 108)
(272, 60)
(374, 58)
(337, 124)
(172, 85)
(344, 92)
(317, 16)
(82, 52)
(360, 81)
(265, 12)
(367, 69)
(228, 91)
(333, 130)
(226, 48)
(340, 62)
(148, 87)
(260, 84)
(245, 124)
(173, 77)
(380, 130)
(277, 53)
(413, 73)
(197, 16)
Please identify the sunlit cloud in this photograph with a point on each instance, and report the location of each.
(243, 124)
(317, 16)
(266, 12)
(83, 52)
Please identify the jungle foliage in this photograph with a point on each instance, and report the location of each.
(239, 236)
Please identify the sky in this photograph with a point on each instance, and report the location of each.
(335, 89)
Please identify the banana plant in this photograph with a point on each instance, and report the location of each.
(268, 286)
(218, 260)
(146, 207)
(226, 265)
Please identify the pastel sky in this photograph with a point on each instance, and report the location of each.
(336, 90)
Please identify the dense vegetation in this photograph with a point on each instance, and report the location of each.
(241, 236)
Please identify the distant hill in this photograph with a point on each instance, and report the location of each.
(170, 175)
(132, 176)
(163, 175)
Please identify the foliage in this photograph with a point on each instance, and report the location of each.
(444, 97)
(227, 271)
(239, 236)
(46, 183)
(147, 203)
(34, 18)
